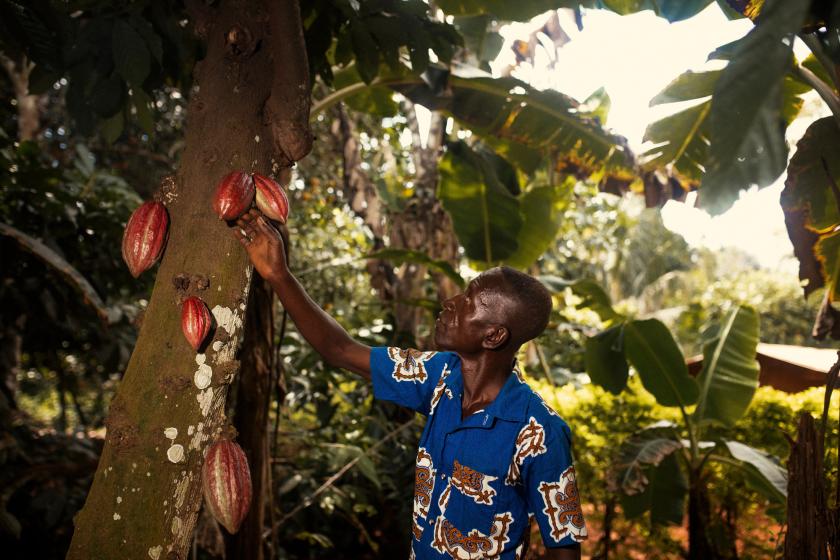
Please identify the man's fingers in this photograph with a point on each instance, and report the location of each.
(264, 226)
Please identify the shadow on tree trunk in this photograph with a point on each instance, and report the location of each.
(253, 396)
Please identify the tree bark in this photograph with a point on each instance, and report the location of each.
(145, 497)
(251, 415)
(807, 515)
(699, 511)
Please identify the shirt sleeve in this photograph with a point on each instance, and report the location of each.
(551, 489)
(407, 377)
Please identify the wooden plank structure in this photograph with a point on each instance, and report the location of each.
(785, 367)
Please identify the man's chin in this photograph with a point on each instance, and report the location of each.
(440, 342)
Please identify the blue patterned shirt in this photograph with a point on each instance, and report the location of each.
(478, 480)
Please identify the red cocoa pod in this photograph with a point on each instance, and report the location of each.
(234, 195)
(271, 198)
(195, 321)
(145, 237)
(226, 481)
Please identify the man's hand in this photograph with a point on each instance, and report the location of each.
(264, 244)
(266, 247)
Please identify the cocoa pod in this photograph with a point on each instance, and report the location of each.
(145, 237)
(226, 482)
(195, 321)
(234, 195)
(271, 198)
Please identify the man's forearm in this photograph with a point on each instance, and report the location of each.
(326, 336)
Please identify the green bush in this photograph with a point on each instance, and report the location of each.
(600, 422)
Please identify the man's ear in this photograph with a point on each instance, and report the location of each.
(495, 337)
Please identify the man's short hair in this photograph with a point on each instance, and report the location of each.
(533, 303)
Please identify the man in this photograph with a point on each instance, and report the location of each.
(491, 451)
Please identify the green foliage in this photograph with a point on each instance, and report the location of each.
(521, 120)
(682, 139)
(811, 188)
(373, 33)
(77, 213)
(664, 497)
(605, 361)
(400, 256)
(747, 141)
(730, 371)
(115, 57)
(654, 354)
(601, 422)
(329, 417)
(542, 209)
(695, 298)
(484, 213)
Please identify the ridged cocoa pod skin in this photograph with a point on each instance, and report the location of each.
(226, 482)
(196, 321)
(145, 236)
(271, 198)
(234, 195)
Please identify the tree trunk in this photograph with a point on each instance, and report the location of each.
(699, 510)
(807, 519)
(10, 355)
(147, 489)
(251, 415)
(606, 540)
(423, 226)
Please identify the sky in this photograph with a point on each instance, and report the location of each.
(634, 57)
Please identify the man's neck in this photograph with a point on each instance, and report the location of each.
(484, 375)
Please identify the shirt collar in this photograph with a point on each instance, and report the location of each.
(512, 401)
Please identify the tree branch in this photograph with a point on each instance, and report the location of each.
(53, 260)
(286, 112)
(823, 89)
(819, 53)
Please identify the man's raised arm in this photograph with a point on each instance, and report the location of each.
(266, 249)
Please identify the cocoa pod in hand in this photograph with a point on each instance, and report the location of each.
(226, 482)
(234, 195)
(145, 237)
(195, 321)
(271, 198)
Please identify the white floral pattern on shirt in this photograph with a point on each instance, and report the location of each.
(475, 545)
(562, 507)
(409, 364)
(529, 443)
(440, 389)
(424, 488)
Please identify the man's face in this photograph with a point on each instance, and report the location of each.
(467, 318)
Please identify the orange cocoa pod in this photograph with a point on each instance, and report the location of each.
(234, 195)
(271, 198)
(226, 482)
(145, 237)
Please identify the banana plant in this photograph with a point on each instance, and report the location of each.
(665, 464)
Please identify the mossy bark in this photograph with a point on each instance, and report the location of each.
(145, 499)
(253, 396)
